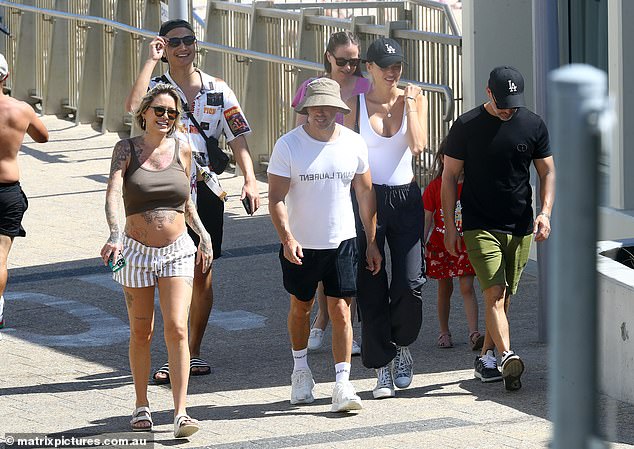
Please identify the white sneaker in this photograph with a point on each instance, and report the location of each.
(356, 348)
(344, 398)
(316, 339)
(384, 383)
(403, 367)
(1, 312)
(302, 384)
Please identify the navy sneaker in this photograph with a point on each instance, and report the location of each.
(512, 369)
(486, 368)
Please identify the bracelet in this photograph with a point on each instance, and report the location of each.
(545, 214)
(409, 97)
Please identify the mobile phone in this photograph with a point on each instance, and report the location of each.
(247, 205)
(116, 266)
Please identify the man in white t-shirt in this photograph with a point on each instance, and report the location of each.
(311, 171)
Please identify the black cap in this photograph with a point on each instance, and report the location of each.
(384, 52)
(168, 26)
(507, 85)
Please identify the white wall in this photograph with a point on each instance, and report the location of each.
(616, 325)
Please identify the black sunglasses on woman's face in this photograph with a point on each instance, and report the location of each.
(160, 111)
(176, 41)
(341, 62)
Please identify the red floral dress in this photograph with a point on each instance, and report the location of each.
(439, 263)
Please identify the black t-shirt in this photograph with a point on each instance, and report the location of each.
(496, 194)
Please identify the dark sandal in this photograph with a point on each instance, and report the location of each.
(444, 340)
(202, 368)
(165, 369)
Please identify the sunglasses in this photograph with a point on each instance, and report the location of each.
(160, 111)
(341, 62)
(176, 41)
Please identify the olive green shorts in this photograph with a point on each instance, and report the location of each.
(497, 258)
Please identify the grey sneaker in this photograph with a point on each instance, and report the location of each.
(344, 398)
(486, 368)
(356, 348)
(512, 369)
(403, 367)
(384, 383)
(302, 384)
(316, 339)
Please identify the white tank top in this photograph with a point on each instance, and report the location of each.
(390, 157)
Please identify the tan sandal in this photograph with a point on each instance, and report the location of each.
(444, 340)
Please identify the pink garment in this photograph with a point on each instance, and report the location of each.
(361, 86)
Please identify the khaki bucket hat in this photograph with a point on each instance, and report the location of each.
(322, 92)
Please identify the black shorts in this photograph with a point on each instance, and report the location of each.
(336, 268)
(13, 204)
(211, 211)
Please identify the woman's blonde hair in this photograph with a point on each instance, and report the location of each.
(146, 101)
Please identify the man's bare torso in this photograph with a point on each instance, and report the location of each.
(16, 119)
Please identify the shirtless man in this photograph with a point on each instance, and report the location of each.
(16, 119)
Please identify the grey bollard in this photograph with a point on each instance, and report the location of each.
(578, 94)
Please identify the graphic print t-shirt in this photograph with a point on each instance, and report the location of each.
(318, 202)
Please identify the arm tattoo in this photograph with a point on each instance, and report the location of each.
(120, 155)
(193, 220)
(114, 190)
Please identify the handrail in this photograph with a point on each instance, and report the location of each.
(249, 54)
(437, 5)
(346, 5)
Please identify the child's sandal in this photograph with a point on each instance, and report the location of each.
(476, 340)
(444, 340)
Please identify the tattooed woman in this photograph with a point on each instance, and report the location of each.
(150, 174)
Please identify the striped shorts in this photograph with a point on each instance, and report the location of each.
(145, 264)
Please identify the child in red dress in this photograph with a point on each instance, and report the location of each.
(443, 266)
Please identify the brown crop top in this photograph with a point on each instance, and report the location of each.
(145, 190)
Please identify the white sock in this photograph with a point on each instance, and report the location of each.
(300, 359)
(1, 306)
(342, 372)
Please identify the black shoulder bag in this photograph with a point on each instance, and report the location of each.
(218, 159)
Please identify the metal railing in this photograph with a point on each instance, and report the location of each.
(263, 51)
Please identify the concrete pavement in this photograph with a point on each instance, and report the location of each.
(63, 355)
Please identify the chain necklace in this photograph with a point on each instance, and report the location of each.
(389, 110)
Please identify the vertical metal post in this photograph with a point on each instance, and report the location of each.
(259, 90)
(577, 95)
(56, 90)
(179, 9)
(92, 84)
(546, 58)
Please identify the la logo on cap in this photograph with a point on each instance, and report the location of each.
(389, 48)
(512, 86)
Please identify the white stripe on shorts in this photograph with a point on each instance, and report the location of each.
(145, 264)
